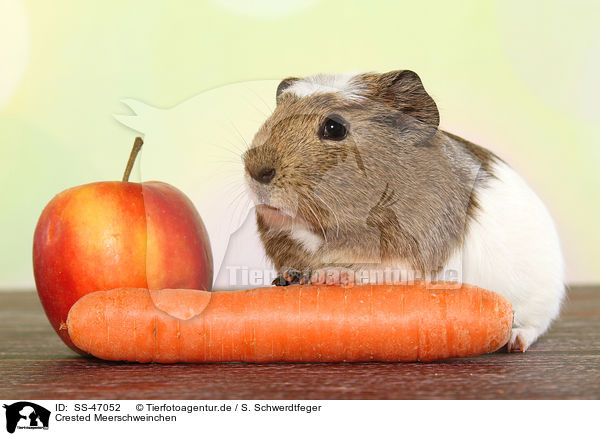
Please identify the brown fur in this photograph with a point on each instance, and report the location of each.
(395, 190)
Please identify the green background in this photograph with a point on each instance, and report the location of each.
(518, 77)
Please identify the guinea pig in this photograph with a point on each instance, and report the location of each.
(352, 173)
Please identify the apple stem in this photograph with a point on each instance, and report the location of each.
(137, 146)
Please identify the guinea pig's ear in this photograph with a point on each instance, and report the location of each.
(285, 83)
(403, 90)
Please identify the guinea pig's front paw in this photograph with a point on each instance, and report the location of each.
(333, 276)
(291, 277)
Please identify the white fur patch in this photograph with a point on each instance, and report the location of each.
(310, 241)
(344, 84)
(512, 248)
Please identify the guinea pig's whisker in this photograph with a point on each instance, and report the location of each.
(335, 201)
(237, 148)
(248, 204)
(269, 108)
(236, 198)
(304, 217)
(239, 134)
(319, 221)
(235, 203)
(235, 163)
(337, 222)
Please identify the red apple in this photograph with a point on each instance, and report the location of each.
(109, 235)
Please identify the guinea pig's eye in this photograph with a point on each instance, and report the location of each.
(334, 128)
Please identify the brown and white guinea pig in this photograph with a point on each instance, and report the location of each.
(351, 174)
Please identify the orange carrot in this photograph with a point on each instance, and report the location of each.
(300, 323)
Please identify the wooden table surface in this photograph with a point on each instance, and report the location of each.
(565, 363)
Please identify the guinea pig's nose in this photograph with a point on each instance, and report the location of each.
(264, 175)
